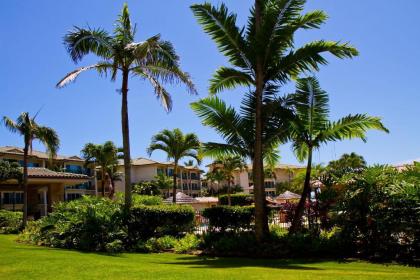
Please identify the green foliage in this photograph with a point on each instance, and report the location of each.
(187, 244)
(237, 199)
(146, 188)
(10, 222)
(10, 170)
(160, 244)
(229, 218)
(146, 200)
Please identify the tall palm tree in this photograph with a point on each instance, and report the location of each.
(264, 57)
(153, 60)
(177, 146)
(229, 164)
(215, 176)
(311, 128)
(27, 127)
(105, 155)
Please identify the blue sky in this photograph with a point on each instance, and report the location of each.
(380, 82)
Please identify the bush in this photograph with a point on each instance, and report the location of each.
(234, 218)
(146, 200)
(89, 223)
(188, 243)
(10, 222)
(238, 199)
(148, 221)
(160, 244)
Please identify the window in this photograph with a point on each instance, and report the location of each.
(75, 169)
(13, 198)
(170, 172)
(195, 186)
(184, 175)
(185, 185)
(194, 176)
(160, 171)
(73, 196)
(269, 184)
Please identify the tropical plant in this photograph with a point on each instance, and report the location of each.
(215, 176)
(31, 131)
(264, 57)
(176, 145)
(103, 155)
(229, 164)
(311, 128)
(10, 170)
(163, 182)
(153, 60)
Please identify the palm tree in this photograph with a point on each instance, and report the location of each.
(163, 182)
(264, 57)
(105, 155)
(153, 60)
(30, 130)
(230, 163)
(311, 128)
(215, 176)
(177, 146)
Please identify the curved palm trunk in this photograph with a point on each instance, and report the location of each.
(126, 139)
(174, 185)
(25, 182)
(261, 218)
(296, 222)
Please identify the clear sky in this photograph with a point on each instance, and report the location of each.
(382, 81)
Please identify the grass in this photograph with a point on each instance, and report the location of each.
(20, 261)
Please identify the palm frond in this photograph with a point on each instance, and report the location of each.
(10, 124)
(229, 78)
(160, 92)
(102, 68)
(49, 138)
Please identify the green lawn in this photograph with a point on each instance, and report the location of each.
(19, 261)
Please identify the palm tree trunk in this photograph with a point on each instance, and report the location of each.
(174, 185)
(126, 138)
(103, 182)
(228, 193)
(296, 222)
(261, 219)
(25, 182)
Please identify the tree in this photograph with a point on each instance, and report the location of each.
(153, 60)
(264, 57)
(215, 176)
(163, 182)
(347, 163)
(311, 128)
(10, 170)
(229, 164)
(177, 146)
(103, 155)
(31, 131)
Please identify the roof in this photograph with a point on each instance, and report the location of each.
(39, 172)
(287, 195)
(282, 166)
(407, 162)
(181, 198)
(11, 150)
(145, 161)
(209, 199)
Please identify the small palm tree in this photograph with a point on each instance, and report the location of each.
(177, 146)
(153, 60)
(311, 128)
(230, 164)
(31, 131)
(215, 176)
(264, 57)
(105, 155)
(163, 182)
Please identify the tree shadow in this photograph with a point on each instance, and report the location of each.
(226, 262)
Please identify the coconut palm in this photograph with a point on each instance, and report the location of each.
(103, 155)
(230, 164)
(311, 128)
(163, 182)
(177, 146)
(153, 60)
(263, 56)
(27, 127)
(215, 176)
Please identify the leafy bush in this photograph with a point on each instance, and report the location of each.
(234, 218)
(146, 200)
(10, 222)
(89, 223)
(188, 243)
(148, 221)
(160, 244)
(238, 199)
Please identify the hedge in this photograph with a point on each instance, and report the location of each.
(233, 218)
(10, 222)
(238, 199)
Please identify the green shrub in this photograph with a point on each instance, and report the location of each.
(188, 243)
(238, 199)
(235, 218)
(10, 222)
(148, 221)
(160, 244)
(114, 247)
(146, 200)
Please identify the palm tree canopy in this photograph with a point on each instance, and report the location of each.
(238, 128)
(311, 128)
(230, 163)
(176, 144)
(274, 43)
(30, 130)
(105, 155)
(154, 60)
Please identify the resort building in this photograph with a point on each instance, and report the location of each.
(49, 181)
(146, 170)
(283, 173)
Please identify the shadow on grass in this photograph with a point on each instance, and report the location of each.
(211, 262)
